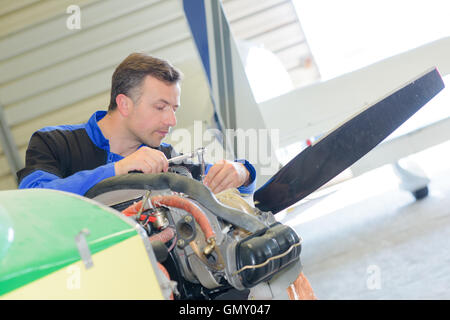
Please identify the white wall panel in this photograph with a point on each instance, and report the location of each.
(93, 13)
(31, 13)
(80, 42)
(105, 57)
(7, 182)
(8, 6)
(240, 10)
(264, 21)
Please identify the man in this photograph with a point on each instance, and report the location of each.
(145, 95)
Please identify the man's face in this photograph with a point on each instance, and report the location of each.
(153, 114)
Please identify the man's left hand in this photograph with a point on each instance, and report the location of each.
(226, 174)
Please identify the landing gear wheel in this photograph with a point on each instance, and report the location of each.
(420, 193)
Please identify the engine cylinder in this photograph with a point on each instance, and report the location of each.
(255, 255)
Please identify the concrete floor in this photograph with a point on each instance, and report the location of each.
(370, 240)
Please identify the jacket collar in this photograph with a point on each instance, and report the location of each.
(94, 132)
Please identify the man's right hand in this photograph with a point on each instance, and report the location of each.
(145, 159)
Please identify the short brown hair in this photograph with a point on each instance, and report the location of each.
(129, 75)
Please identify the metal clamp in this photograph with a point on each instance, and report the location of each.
(83, 248)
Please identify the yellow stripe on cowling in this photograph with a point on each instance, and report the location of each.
(122, 271)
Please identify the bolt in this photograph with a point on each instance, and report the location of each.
(188, 219)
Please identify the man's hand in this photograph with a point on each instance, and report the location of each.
(226, 174)
(145, 159)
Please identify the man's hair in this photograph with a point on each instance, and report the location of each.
(128, 77)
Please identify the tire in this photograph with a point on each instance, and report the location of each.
(420, 193)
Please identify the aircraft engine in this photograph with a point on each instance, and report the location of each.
(208, 243)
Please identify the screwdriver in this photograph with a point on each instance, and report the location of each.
(186, 156)
(198, 152)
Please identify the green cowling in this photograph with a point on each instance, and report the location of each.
(38, 229)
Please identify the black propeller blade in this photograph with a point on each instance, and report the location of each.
(342, 147)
